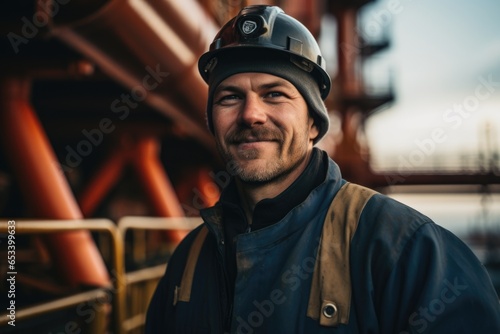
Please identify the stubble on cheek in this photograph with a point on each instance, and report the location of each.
(249, 165)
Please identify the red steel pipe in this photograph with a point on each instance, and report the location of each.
(348, 52)
(102, 182)
(45, 189)
(166, 36)
(157, 183)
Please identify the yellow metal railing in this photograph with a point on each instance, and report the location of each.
(137, 287)
(117, 267)
(142, 283)
(99, 315)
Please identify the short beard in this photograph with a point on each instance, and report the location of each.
(273, 170)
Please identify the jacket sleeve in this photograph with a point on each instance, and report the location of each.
(443, 288)
(420, 278)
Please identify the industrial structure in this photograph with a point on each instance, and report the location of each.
(106, 158)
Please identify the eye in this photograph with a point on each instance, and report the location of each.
(275, 94)
(227, 99)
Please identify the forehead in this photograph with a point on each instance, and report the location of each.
(254, 80)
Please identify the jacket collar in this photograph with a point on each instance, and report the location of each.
(270, 210)
(319, 170)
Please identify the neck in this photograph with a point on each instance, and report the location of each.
(252, 193)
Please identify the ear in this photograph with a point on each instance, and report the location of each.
(313, 129)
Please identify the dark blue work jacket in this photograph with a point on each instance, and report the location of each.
(407, 275)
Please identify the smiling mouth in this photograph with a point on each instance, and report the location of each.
(252, 137)
(251, 140)
(253, 145)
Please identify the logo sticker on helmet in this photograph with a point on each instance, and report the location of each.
(248, 27)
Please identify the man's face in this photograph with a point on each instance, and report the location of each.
(262, 126)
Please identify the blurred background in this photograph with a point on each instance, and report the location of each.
(106, 160)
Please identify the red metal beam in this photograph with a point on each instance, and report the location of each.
(45, 189)
(143, 154)
(418, 178)
(154, 54)
(102, 182)
(157, 184)
(308, 12)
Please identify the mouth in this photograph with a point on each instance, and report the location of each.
(252, 144)
(252, 139)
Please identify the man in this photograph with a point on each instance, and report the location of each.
(291, 247)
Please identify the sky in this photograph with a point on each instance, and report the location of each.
(444, 65)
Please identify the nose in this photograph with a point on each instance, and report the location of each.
(253, 111)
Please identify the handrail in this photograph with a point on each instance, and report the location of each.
(145, 273)
(150, 223)
(98, 225)
(57, 305)
(158, 223)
